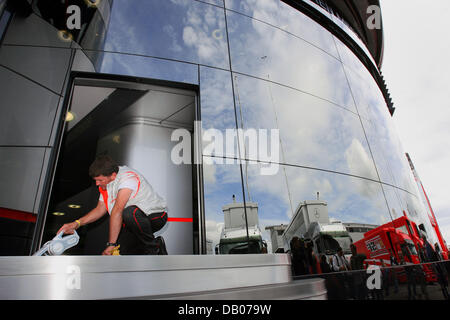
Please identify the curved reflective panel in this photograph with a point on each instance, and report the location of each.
(281, 15)
(349, 199)
(313, 132)
(177, 29)
(348, 58)
(255, 50)
(222, 188)
(23, 166)
(403, 203)
(354, 36)
(84, 22)
(342, 198)
(21, 122)
(216, 2)
(34, 31)
(141, 66)
(29, 61)
(217, 113)
(394, 201)
(383, 138)
(383, 135)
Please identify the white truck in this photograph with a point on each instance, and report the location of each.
(312, 223)
(233, 239)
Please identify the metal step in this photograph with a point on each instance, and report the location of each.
(153, 277)
(307, 289)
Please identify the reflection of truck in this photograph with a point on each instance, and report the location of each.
(233, 239)
(400, 238)
(276, 237)
(312, 223)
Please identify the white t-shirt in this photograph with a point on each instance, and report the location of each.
(143, 195)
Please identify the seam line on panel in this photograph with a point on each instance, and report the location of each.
(40, 178)
(66, 79)
(24, 146)
(364, 130)
(223, 69)
(237, 126)
(29, 79)
(310, 168)
(298, 90)
(290, 33)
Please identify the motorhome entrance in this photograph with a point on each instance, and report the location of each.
(132, 123)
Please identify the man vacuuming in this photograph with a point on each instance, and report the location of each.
(134, 207)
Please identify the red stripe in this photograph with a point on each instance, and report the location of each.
(17, 215)
(104, 194)
(180, 219)
(134, 175)
(164, 213)
(134, 216)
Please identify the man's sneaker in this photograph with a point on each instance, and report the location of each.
(161, 246)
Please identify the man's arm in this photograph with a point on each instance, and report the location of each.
(93, 215)
(115, 222)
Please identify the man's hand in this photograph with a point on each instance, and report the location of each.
(68, 228)
(108, 251)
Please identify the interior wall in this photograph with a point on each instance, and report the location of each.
(147, 148)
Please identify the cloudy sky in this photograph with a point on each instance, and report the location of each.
(417, 70)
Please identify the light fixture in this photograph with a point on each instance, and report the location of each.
(74, 206)
(65, 35)
(70, 116)
(92, 3)
(58, 213)
(116, 139)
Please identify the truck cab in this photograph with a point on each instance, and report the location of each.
(397, 239)
(312, 223)
(328, 238)
(241, 233)
(235, 242)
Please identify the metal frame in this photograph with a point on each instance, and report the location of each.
(97, 79)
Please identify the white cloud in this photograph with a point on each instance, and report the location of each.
(359, 162)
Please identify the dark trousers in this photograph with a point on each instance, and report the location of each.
(136, 237)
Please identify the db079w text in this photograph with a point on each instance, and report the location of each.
(245, 309)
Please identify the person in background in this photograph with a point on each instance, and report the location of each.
(324, 266)
(340, 264)
(298, 256)
(311, 258)
(357, 263)
(392, 272)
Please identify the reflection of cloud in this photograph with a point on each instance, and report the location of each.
(386, 147)
(170, 31)
(313, 132)
(318, 122)
(359, 162)
(303, 66)
(209, 172)
(185, 32)
(213, 231)
(216, 99)
(202, 24)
